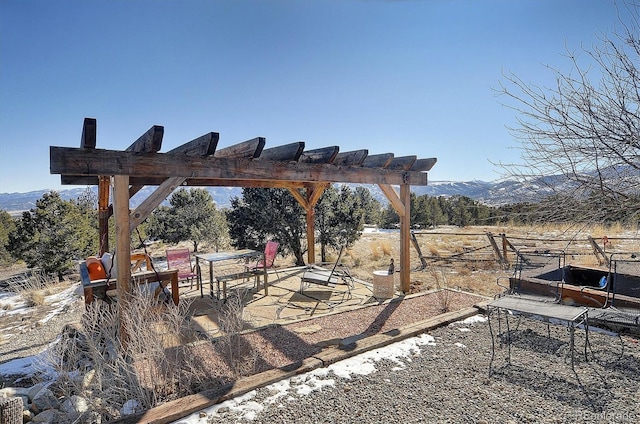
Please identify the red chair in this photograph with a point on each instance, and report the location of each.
(266, 262)
(180, 259)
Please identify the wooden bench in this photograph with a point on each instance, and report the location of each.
(165, 278)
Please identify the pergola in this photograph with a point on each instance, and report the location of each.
(199, 162)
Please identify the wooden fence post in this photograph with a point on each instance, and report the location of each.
(417, 246)
(501, 259)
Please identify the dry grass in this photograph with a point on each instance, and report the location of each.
(474, 270)
(34, 288)
(149, 366)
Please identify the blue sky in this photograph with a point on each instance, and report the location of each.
(407, 77)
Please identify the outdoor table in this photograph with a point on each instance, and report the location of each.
(573, 315)
(212, 258)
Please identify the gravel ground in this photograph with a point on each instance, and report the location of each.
(448, 381)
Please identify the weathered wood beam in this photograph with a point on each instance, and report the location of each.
(134, 189)
(355, 157)
(140, 182)
(402, 163)
(204, 145)
(314, 192)
(378, 161)
(88, 162)
(89, 133)
(393, 197)
(423, 165)
(150, 203)
(284, 153)
(300, 198)
(249, 149)
(246, 183)
(322, 155)
(149, 142)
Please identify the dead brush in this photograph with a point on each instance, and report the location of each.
(375, 250)
(433, 251)
(240, 355)
(34, 288)
(130, 355)
(443, 294)
(385, 246)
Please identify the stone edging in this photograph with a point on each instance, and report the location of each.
(180, 408)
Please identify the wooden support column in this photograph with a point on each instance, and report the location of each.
(123, 245)
(311, 236)
(308, 203)
(103, 213)
(402, 205)
(405, 239)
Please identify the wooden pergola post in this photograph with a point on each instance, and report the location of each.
(123, 247)
(405, 240)
(103, 213)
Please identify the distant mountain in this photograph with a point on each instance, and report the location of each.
(14, 203)
(491, 193)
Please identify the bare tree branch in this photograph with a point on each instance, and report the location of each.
(579, 140)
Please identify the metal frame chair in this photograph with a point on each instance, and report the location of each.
(266, 262)
(180, 259)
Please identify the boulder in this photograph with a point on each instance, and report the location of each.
(44, 399)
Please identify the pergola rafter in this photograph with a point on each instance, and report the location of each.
(200, 162)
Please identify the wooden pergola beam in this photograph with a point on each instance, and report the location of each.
(70, 161)
(149, 142)
(153, 201)
(205, 145)
(89, 133)
(249, 149)
(286, 153)
(139, 182)
(402, 162)
(424, 165)
(322, 155)
(355, 157)
(378, 161)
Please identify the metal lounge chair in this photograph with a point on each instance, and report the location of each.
(317, 274)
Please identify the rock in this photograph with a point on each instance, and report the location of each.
(27, 415)
(43, 400)
(75, 405)
(50, 416)
(90, 417)
(131, 407)
(33, 391)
